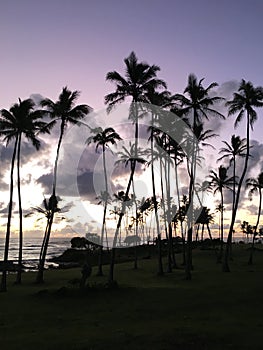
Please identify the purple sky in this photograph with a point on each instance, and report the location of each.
(49, 44)
(46, 45)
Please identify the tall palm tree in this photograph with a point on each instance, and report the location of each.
(198, 105)
(103, 138)
(66, 112)
(255, 185)
(139, 78)
(236, 148)
(160, 100)
(244, 101)
(21, 119)
(219, 182)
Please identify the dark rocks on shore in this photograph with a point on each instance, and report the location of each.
(77, 257)
(9, 266)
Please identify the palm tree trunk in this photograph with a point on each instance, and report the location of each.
(3, 286)
(40, 274)
(221, 228)
(100, 272)
(62, 128)
(135, 266)
(189, 264)
(225, 265)
(112, 262)
(20, 255)
(159, 238)
(234, 199)
(41, 263)
(170, 231)
(163, 202)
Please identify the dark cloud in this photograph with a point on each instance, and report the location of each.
(4, 210)
(36, 98)
(85, 185)
(252, 209)
(46, 181)
(225, 91)
(28, 152)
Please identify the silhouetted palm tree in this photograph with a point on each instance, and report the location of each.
(139, 79)
(198, 105)
(158, 100)
(127, 156)
(235, 149)
(244, 101)
(102, 138)
(219, 182)
(247, 229)
(66, 112)
(21, 119)
(206, 218)
(255, 185)
(45, 210)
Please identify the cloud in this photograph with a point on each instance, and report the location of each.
(46, 181)
(226, 91)
(36, 98)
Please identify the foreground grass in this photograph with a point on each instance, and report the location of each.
(213, 311)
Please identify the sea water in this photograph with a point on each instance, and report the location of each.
(32, 247)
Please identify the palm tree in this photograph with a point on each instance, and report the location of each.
(102, 138)
(159, 99)
(21, 119)
(197, 105)
(219, 182)
(65, 111)
(133, 155)
(255, 185)
(236, 148)
(46, 210)
(206, 218)
(244, 101)
(247, 229)
(139, 79)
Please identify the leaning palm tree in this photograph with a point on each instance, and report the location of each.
(103, 138)
(255, 185)
(197, 105)
(218, 183)
(66, 112)
(45, 210)
(244, 101)
(21, 119)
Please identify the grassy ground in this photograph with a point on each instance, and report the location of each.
(213, 311)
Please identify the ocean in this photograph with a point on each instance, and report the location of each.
(31, 249)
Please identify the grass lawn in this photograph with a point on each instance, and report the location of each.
(213, 311)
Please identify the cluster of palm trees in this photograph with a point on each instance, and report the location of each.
(27, 119)
(177, 135)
